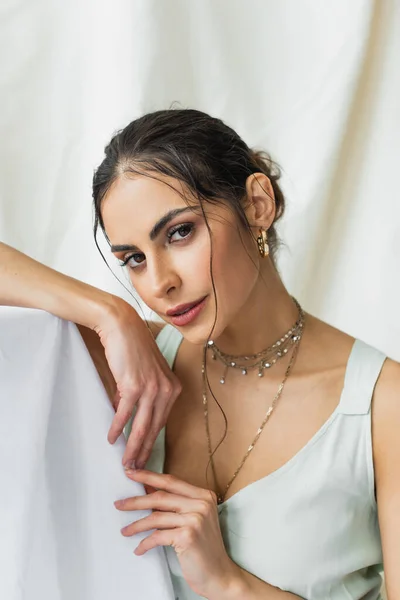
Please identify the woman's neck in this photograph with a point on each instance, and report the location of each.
(267, 315)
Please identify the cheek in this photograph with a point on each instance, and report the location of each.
(192, 263)
(197, 266)
(235, 271)
(235, 262)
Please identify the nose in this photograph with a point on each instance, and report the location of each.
(163, 278)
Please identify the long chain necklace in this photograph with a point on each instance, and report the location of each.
(295, 345)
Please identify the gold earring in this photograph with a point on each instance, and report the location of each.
(262, 242)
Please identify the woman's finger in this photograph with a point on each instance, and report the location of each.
(140, 427)
(171, 390)
(149, 489)
(161, 501)
(116, 400)
(167, 537)
(121, 418)
(157, 520)
(171, 485)
(160, 416)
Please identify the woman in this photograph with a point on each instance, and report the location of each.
(265, 479)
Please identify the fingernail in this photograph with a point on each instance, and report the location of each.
(140, 465)
(130, 465)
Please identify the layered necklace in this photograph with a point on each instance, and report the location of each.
(264, 359)
(261, 361)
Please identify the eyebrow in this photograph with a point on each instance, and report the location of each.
(156, 230)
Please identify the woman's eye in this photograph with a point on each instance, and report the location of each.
(133, 261)
(175, 234)
(181, 232)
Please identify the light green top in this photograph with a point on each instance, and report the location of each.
(311, 526)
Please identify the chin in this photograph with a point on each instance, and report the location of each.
(200, 334)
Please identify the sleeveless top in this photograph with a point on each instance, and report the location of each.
(310, 527)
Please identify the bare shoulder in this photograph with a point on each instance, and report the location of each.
(386, 456)
(386, 405)
(385, 427)
(324, 347)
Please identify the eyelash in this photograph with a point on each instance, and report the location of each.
(170, 234)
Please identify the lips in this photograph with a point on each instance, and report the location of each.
(184, 314)
(183, 308)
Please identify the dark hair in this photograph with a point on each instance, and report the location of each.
(200, 151)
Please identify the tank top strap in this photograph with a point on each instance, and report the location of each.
(168, 341)
(363, 368)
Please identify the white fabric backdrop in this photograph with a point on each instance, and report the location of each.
(315, 83)
(59, 530)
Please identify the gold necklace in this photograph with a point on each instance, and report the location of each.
(296, 345)
(265, 359)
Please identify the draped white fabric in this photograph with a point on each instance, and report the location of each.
(59, 530)
(315, 83)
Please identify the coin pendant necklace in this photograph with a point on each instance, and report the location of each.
(295, 344)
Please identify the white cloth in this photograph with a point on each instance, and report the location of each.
(59, 530)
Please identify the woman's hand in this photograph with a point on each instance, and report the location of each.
(142, 376)
(143, 379)
(185, 517)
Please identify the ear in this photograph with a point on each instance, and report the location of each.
(260, 209)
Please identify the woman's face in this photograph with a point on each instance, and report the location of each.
(165, 245)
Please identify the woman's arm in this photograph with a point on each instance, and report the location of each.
(141, 374)
(252, 588)
(386, 449)
(28, 283)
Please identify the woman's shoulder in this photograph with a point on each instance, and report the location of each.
(386, 400)
(324, 348)
(386, 461)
